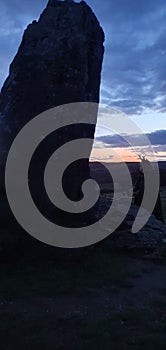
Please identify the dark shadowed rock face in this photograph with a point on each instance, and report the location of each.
(59, 61)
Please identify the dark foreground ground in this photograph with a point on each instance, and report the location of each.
(97, 298)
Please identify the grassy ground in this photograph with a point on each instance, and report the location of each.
(95, 298)
(95, 269)
(100, 299)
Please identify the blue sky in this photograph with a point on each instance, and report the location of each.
(134, 73)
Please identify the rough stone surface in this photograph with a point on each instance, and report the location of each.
(59, 61)
(149, 240)
(150, 237)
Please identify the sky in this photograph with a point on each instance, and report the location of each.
(133, 75)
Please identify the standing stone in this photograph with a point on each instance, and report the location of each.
(59, 61)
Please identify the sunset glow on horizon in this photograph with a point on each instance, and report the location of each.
(114, 155)
(122, 154)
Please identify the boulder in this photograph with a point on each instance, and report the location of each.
(58, 62)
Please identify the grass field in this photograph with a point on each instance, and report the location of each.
(100, 299)
(95, 298)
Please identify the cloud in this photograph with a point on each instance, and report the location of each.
(134, 75)
(156, 138)
(15, 16)
(134, 70)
